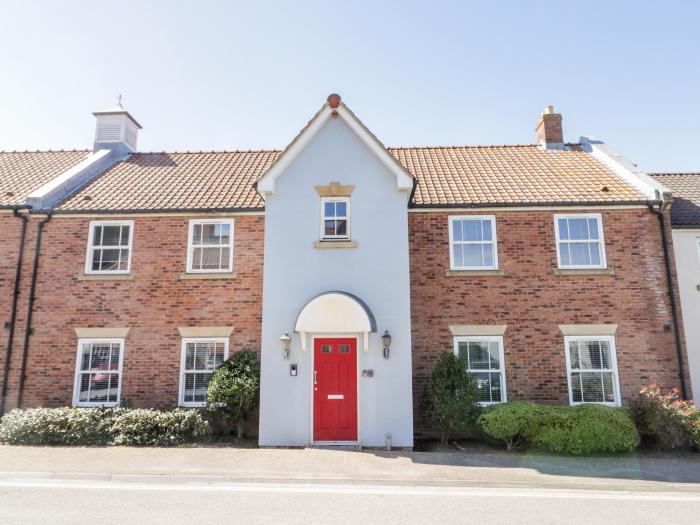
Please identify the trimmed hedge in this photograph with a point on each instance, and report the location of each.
(579, 430)
(102, 426)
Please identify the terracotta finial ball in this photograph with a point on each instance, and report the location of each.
(334, 100)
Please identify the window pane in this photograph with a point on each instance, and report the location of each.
(200, 388)
(210, 235)
(463, 351)
(574, 354)
(472, 230)
(326, 349)
(344, 349)
(197, 234)
(219, 354)
(578, 229)
(197, 258)
(593, 228)
(563, 229)
(494, 355)
(99, 388)
(483, 385)
(341, 227)
(111, 235)
(110, 259)
(114, 362)
(576, 393)
(473, 255)
(85, 356)
(579, 254)
(456, 230)
(225, 233)
(458, 255)
(495, 387)
(329, 228)
(564, 254)
(224, 258)
(487, 250)
(329, 209)
(125, 235)
(211, 258)
(97, 236)
(124, 259)
(478, 356)
(486, 229)
(592, 387)
(607, 378)
(590, 354)
(84, 394)
(96, 255)
(189, 355)
(595, 253)
(341, 209)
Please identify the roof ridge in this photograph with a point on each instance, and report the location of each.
(457, 146)
(199, 152)
(659, 174)
(45, 151)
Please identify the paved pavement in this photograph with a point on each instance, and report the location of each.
(230, 485)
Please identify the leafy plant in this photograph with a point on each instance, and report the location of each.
(234, 389)
(451, 396)
(511, 423)
(664, 419)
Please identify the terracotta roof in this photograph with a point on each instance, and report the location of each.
(21, 172)
(455, 175)
(685, 210)
(171, 181)
(510, 174)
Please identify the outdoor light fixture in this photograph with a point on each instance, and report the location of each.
(386, 341)
(285, 342)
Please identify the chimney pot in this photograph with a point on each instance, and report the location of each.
(549, 130)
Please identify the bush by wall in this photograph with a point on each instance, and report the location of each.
(580, 430)
(101, 426)
(451, 397)
(664, 419)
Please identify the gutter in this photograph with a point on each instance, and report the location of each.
(530, 204)
(13, 308)
(30, 307)
(662, 207)
(132, 211)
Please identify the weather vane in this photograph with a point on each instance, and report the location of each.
(119, 100)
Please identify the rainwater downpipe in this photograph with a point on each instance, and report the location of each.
(671, 292)
(30, 308)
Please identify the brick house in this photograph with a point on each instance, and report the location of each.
(349, 266)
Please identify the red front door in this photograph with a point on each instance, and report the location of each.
(335, 390)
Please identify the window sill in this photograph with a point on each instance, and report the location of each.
(474, 273)
(105, 277)
(207, 275)
(335, 244)
(584, 271)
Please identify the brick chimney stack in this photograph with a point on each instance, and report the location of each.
(549, 130)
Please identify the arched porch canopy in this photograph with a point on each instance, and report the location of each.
(335, 312)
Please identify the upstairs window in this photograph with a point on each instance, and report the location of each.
(98, 372)
(200, 357)
(580, 241)
(109, 247)
(483, 356)
(210, 246)
(592, 368)
(473, 242)
(335, 218)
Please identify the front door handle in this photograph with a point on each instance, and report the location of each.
(315, 382)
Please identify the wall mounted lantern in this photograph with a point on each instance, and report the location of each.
(386, 341)
(285, 342)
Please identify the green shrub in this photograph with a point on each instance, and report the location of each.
(451, 397)
(234, 389)
(664, 419)
(511, 423)
(155, 428)
(101, 426)
(579, 430)
(587, 429)
(696, 432)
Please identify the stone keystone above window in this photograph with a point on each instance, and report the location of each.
(335, 189)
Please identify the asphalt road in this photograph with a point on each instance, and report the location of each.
(54, 502)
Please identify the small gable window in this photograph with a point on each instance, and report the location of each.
(335, 218)
(109, 247)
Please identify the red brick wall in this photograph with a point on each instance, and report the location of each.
(532, 301)
(153, 304)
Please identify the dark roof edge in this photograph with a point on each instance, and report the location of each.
(685, 226)
(123, 211)
(533, 204)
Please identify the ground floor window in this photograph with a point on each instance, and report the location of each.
(200, 357)
(98, 372)
(592, 370)
(484, 358)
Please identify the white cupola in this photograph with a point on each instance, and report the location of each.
(116, 130)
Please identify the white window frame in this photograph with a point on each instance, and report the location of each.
(325, 237)
(493, 241)
(191, 246)
(610, 339)
(502, 370)
(183, 353)
(78, 360)
(601, 241)
(91, 248)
